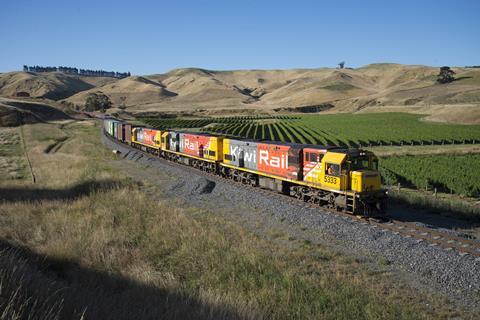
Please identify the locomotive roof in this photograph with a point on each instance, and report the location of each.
(281, 143)
(352, 152)
(297, 145)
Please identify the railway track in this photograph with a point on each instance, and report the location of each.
(432, 237)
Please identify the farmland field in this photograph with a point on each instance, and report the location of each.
(459, 174)
(351, 130)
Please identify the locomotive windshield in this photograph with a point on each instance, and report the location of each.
(363, 162)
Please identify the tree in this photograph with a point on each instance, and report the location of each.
(445, 75)
(97, 101)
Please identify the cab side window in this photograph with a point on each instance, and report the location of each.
(311, 157)
(332, 169)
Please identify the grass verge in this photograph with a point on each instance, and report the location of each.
(85, 242)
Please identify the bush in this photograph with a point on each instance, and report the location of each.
(97, 102)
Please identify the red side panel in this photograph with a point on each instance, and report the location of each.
(279, 160)
(194, 145)
(146, 136)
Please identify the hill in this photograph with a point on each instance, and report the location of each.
(380, 87)
(51, 85)
(15, 112)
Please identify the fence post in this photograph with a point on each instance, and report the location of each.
(435, 193)
(398, 187)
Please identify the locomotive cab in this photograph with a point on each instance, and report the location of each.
(363, 172)
(354, 170)
(355, 174)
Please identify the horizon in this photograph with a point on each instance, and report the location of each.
(227, 70)
(152, 38)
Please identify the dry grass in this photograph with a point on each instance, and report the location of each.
(12, 162)
(87, 242)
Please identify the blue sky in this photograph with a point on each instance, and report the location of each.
(146, 37)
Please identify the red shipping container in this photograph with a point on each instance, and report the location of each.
(127, 137)
(119, 131)
(282, 160)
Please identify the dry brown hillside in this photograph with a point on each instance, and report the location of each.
(374, 87)
(14, 112)
(51, 85)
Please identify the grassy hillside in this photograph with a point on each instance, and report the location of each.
(51, 85)
(263, 91)
(85, 242)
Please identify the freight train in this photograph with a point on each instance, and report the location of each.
(343, 179)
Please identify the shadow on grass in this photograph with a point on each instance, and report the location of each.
(16, 194)
(35, 286)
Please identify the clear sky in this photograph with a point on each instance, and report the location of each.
(146, 37)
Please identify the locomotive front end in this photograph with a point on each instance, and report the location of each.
(365, 181)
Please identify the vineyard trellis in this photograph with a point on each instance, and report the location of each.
(458, 174)
(340, 129)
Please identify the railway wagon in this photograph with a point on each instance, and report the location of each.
(124, 132)
(109, 126)
(127, 133)
(119, 131)
(105, 125)
(114, 128)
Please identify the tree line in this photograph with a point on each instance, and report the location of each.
(75, 71)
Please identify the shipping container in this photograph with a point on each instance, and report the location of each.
(114, 128)
(127, 136)
(118, 132)
(109, 126)
(201, 145)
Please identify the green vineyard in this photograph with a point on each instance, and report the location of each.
(458, 174)
(340, 129)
